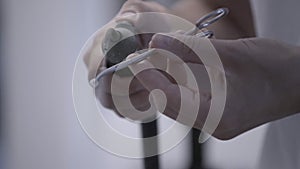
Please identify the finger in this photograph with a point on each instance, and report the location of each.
(134, 6)
(119, 85)
(186, 106)
(92, 56)
(153, 79)
(179, 98)
(158, 60)
(178, 44)
(177, 70)
(132, 12)
(143, 6)
(148, 75)
(139, 99)
(200, 74)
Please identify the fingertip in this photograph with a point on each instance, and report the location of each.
(131, 56)
(138, 67)
(160, 40)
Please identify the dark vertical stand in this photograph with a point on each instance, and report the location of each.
(196, 150)
(150, 130)
(2, 163)
(1, 68)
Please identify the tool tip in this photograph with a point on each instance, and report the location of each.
(94, 82)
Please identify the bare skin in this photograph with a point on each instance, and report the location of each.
(263, 80)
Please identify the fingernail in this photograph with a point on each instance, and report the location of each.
(128, 13)
(160, 40)
(130, 16)
(114, 35)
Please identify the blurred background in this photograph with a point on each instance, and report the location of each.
(40, 42)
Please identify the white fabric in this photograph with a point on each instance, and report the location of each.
(279, 20)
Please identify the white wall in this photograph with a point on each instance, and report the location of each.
(42, 40)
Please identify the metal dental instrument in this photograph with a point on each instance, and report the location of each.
(207, 20)
(122, 65)
(201, 24)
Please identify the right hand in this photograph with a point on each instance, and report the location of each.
(92, 57)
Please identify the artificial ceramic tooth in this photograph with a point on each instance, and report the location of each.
(114, 35)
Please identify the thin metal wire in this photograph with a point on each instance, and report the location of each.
(121, 65)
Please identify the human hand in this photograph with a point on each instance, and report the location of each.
(94, 56)
(258, 71)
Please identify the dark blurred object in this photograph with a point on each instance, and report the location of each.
(196, 150)
(118, 43)
(1, 76)
(150, 130)
(1, 85)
